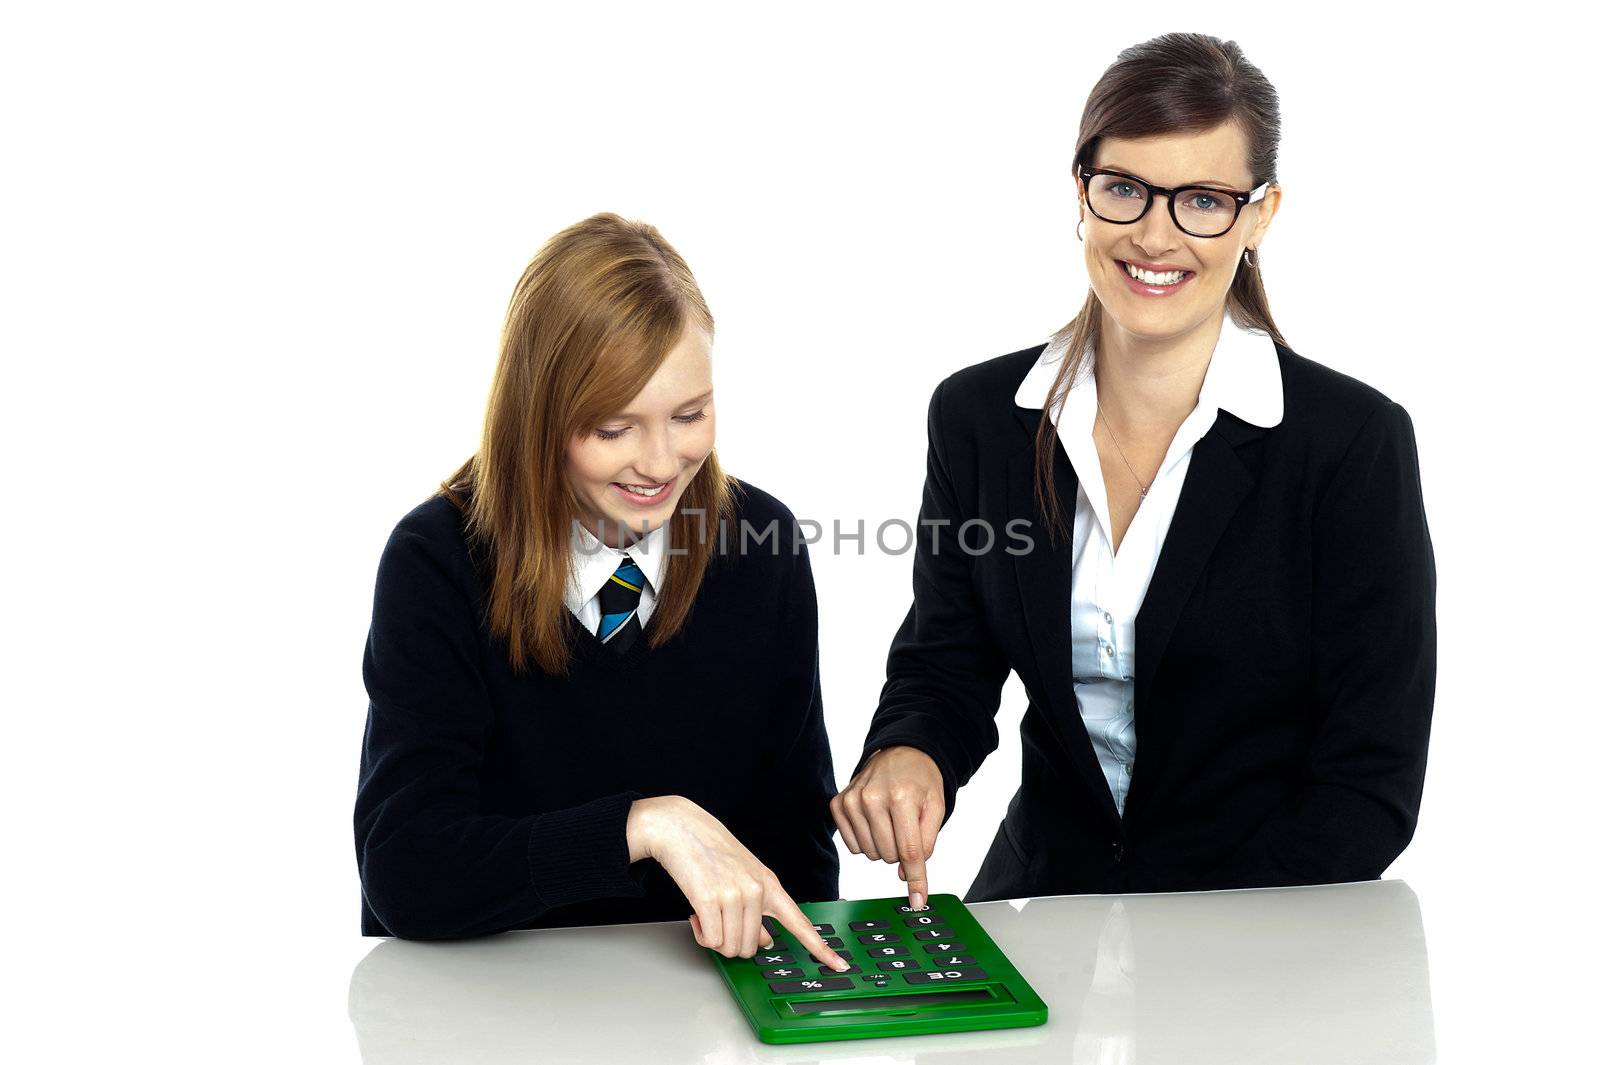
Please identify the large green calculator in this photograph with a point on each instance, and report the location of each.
(913, 972)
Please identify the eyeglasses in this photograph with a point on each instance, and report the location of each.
(1198, 210)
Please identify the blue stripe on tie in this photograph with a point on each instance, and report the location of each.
(611, 622)
(630, 572)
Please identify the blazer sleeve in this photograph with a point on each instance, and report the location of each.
(1374, 649)
(794, 837)
(945, 672)
(433, 863)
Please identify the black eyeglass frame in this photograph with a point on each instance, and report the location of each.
(1241, 199)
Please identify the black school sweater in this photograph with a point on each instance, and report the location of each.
(490, 800)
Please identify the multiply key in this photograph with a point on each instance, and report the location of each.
(774, 959)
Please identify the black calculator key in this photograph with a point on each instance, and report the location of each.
(832, 941)
(872, 938)
(956, 961)
(924, 920)
(821, 983)
(823, 929)
(895, 965)
(935, 933)
(889, 952)
(946, 976)
(774, 959)
(845, 954)
(913, 909)
(783, 972)
(870, 926)
(771, 924)
(948, 946)
(778, 946)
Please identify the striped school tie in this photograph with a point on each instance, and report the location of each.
(619, 607)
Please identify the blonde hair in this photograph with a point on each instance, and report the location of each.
(591, 320)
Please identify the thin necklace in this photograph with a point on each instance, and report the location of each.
(1142, 488)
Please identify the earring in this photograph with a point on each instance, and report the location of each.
(1080, 229)
(1247, 260)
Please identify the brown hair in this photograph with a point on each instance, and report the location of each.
(590, 322)
(1175, 83)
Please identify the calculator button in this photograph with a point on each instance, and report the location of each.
(956, 961)
(935, 933)
(895, 965)
(870, 926)
(774, 959)
(949, 946)
(946, 976)
(889, 952)
(924, 920)
(879, 937)
(845, 954)
(823, 929)
(783, 972)
(913, 909)
(821, 983)
(833, 941)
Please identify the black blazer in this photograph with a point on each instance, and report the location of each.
(1284, 652)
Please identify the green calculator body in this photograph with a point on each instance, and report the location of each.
(913, 972)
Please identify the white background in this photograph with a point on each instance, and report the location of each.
(255, 260)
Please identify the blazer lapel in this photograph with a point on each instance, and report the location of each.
(1044, 581)
(1216, 483)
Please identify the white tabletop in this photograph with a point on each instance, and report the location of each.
(1316, 974)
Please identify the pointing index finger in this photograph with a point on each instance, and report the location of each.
(785, 910)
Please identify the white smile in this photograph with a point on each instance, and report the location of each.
(1170, 277)
(640, 489)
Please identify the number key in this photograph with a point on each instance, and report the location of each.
(924, 920)
(894, 965)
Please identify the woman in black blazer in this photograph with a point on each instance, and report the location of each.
(553, 734)
(1220, 598)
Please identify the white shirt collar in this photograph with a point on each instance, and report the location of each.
(1242, 378)
(593, 563)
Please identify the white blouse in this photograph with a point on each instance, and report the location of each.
(593, 563)
(1108, 587)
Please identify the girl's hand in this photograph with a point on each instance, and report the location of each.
(729, 888)
(892, 811)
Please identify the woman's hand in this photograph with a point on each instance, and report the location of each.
(729, 888)
(893, 811)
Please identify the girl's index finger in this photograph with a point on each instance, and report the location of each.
(789, 915)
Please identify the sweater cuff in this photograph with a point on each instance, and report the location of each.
(926, 737)
(581, 853)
